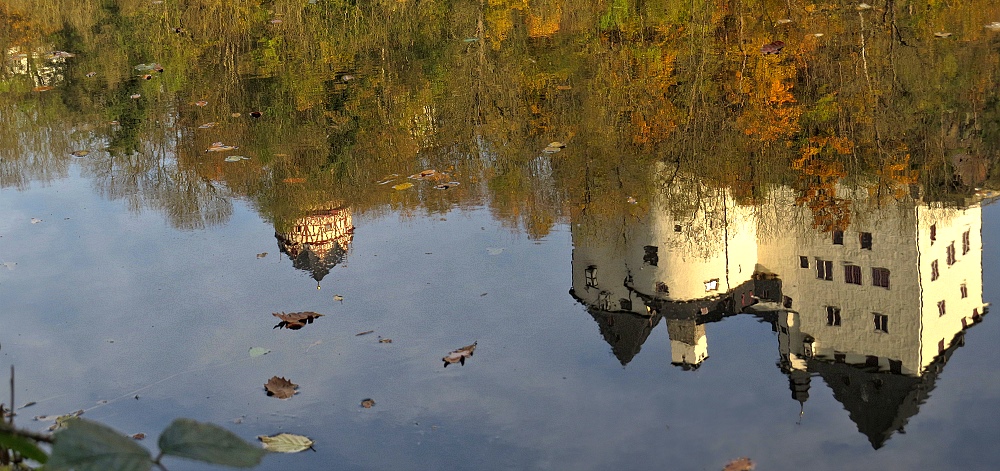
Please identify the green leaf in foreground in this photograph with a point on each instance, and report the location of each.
(286, 443)
(22, 445)
(208, 443)
(89, 446)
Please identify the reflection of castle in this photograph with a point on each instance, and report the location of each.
(318, 242)
(875, 309)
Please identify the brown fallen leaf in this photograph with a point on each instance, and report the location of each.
(459, 355)
(773, 47)
(43, 88)
(139, 436)
(295, 320)
(739, 464)
(384, 340)
(280, 388)
(294, 180)
(368, 403)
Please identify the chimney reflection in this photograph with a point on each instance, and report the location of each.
(874, 309)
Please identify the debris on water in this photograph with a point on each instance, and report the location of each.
(235, 115)
(773, 47)
(554, 147)
(90, 74)
(994, 26)
(79, 153)
(863, 6)
(280, 388)
(201, 103)
(262, 255)
(43, 88)
(208, 125)
(150, 66)
(135, 96)
(384, 340)
(139, 436)
(367, 403)
(220, 147)
(631, 200)
(739, 464)
(363, 333)
(236, 158)
(295, 320)
(942, 34)
(35, 220)
(459, 355)
(338, 298)
(784, 21)
(256, 114)
(403, 186)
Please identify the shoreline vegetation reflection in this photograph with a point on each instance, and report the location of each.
(821, 166)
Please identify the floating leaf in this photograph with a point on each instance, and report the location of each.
(149, 66)
(554, 147)
(207, 125)
(208, 443)
(43, 88)
(80, 153)
(280, 388)
(258, 351)
(459, 355)
(146, 77)
(363, 333)
(220, 147)
(139, 436)
(9, 265)
(35, 220)
(295, 320)
(294, 180)
(286, 443)
(994, 26)
(382, 340)
(201, 103)
(28, 404)
(90, 446)
(60, 55)
(256, 114)
(403, 186)
(338, 297)
(262, 255)
(235, 115)
(631, 200)
(739, 464)
(494, 250)
(90, 74)
(135, 96)
(863, 6)
(236, 158)
(445, 186)
(368, 403)
(783, 21)
(773, 47)
(942, 35)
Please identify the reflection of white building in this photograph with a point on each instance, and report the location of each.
(890, 291)
(318, 242)
(690, 264)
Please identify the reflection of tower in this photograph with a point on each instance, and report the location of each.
(318, 242)
(691, 261)
(876, 309)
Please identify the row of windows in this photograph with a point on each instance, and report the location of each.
(949, 253)
(852, 273)
(966, 239)
(833, 319)
(865, 238)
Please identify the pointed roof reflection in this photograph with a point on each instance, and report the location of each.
(624, 331)
(318, 242)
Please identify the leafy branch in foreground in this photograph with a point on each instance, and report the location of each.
(86, 445)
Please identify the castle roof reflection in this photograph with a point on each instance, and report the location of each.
(318, 241)
(875, 308)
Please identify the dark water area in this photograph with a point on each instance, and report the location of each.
(672, 241)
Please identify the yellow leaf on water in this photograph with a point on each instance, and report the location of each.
(403, 186)
(286, 443)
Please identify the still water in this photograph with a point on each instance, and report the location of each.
(675, 235)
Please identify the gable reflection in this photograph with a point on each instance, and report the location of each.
(875, 308)
(318, 241)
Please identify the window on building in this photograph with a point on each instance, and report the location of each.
(833, 316)
(625, 304)
(895, 366)
(934, 270)
(651, 255)
(824, 269)
(881, 322)
(880, 277)
(966, 245)
(838, 237)
(677, 227)
(803, 261)
(933, 233)
(662, 287)
(591, 275)
(964, 290)
(871, 361)
(841, 358)
(941, 309)
(950, 250)
(852, 274)
(712, 285)
(786, 302)
(866, 240)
